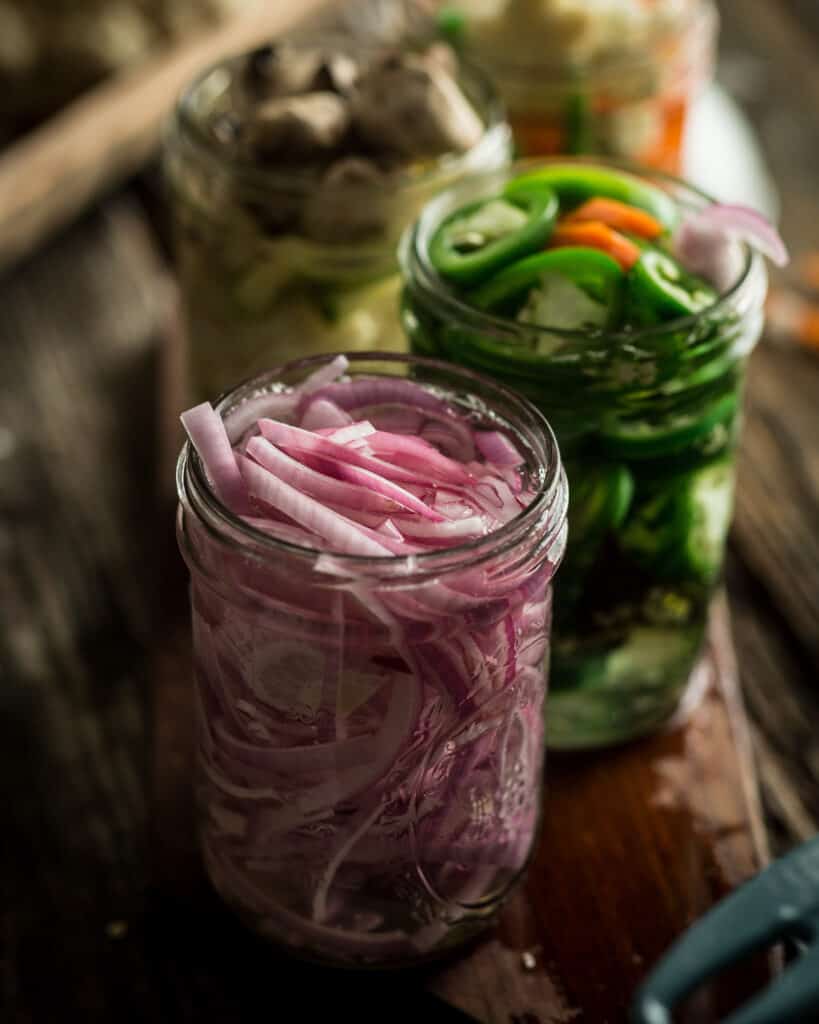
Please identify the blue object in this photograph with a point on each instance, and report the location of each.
(782, 902)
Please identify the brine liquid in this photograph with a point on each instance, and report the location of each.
(368, 791)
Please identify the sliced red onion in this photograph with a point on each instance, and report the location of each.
(355, 431)
(395, 546)
(396, 417)
(389, 528)
(497, 448)
(342, 535)
(296, 439)
(417, 454)
(304, 762)
(289, 927)
(323, 376)
(375, 391)
(450, 436)
(326, 489)
(372, 519)
(283, 531)
(707, 242)
(278, 405)
(355, 474)
(321, 415)
(441, 533)
(339, 856)
(748, 225)
(209, 437)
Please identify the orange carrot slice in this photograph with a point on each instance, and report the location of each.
(595, 235)
(617, 215)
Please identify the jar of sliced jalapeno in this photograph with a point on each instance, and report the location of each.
(292, 172)
(607, 297)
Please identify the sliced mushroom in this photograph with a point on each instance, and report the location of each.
(336, 73)
(412, 106)
(302, 128)
(350, 204)
(282, 70)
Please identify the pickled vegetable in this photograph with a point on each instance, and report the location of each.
(626, 329)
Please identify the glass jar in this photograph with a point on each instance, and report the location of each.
(583, 80)
(648, 422)
(369, 773)
(275, 266)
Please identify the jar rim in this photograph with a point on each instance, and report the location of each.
(549, 503)
(492, 113)
(418, 271)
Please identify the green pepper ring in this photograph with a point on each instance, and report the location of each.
(680, 533)
(541, 205)
(600, 501)
(639, 439)
(590, 269)
(573, 184)
(659, 289)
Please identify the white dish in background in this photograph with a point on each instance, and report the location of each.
(722, 155)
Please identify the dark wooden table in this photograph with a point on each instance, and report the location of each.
(82, 563)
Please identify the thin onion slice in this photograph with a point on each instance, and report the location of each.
(322, 415)
(323, 376)
(375, 391)
(748, 225)
(294, 438)
(497, 448)
(355, 431)
(707, 242)
(326, 489)
(341, 534)
(209, 437)
(417, 454)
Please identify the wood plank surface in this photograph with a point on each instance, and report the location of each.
(77, 436)
(770, 61)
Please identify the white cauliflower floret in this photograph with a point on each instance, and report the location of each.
(566, 30)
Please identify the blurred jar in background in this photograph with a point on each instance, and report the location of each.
(293, 171)
(615, 77)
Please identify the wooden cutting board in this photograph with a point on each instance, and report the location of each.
(638, 843)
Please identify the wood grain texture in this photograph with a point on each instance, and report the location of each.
(103, 912)
(770, 60)
(778, 497)
(110, 132)
(77, 436)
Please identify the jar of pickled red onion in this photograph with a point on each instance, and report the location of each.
(369, 675)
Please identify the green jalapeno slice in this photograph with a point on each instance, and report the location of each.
(660, 290)
(680, 533)
(703, 431)
(574, 183)
(592, 271)
(600, 499)
(475, 241)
